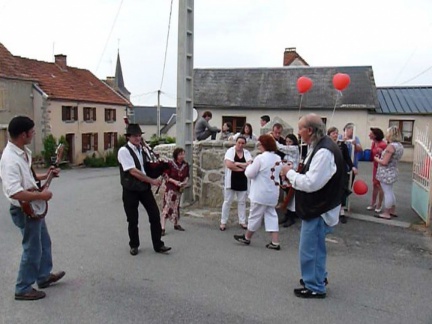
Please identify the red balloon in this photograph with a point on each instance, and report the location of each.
(360, 187)
(341, 81)
(304, 84)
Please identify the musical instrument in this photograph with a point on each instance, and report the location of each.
(38, 209)
(154, 166)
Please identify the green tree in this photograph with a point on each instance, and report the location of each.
(50, 145)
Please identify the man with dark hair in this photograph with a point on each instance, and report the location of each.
(318, 192)
(276, 132)
(203, 129)
(19, 182)
(137, 189)
(264, 120)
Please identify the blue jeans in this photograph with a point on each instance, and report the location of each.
(313, 253)
(36, 259)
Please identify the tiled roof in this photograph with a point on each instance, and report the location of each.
(405, 100)
(59, 84)
(259, 88)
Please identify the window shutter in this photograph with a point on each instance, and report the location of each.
(95, 138)
(85, 142)
(106, 114)
(115, 139)
(75, 113)
(94, 113)
(114, 113)
(64, 114)
(106, 141)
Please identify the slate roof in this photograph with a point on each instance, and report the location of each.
(146, 115)
(118, 79)
(59, 84)
(258, 88)
(405, 100)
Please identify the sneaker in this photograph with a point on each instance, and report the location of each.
(242, 238)
(53, 277)
(371, 207)
(272, 246)
(343, 219)
(134, 251)
(31, 295)
(306, 293)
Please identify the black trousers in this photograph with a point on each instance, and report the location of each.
(131, 200)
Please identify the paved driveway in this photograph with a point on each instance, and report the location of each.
(378, 274)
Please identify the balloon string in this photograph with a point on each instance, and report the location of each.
(301, 99)
(334, 108)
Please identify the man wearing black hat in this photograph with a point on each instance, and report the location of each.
(137, 188)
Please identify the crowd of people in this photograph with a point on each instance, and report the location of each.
(298, 175)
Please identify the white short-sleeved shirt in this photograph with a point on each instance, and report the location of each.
(263, 190)
(15, 171)
(230, 155)
(126, 160)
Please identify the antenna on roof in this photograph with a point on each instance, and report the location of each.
(53, 51)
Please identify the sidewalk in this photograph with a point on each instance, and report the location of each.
(406, 215)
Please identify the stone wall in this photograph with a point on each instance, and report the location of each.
(208, 170)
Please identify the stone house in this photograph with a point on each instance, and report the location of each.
(63, 101)
(243, 95)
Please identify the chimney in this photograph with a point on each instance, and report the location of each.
(290, 55)
(110, 81)
(60, 61)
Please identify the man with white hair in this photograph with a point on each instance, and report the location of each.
(318, 197)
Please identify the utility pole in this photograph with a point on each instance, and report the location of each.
(158, 116)
(184, 124)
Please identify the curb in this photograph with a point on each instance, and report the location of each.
(368, 218)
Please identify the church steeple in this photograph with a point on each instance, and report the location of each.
(118, 79)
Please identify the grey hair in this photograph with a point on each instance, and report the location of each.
(318, 128)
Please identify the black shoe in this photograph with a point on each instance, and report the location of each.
(272, 246)
(163, 232)
(179, 228)
(343, 219)
(134, 251)
(53, 277)
(289, 222)
(303, 284)
(163, 249)
(31, 295)
(242, 239)
(283, 219)
(306, 293)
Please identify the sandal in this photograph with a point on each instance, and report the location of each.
(222, 227)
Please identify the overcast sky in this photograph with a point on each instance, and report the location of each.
(392, 36)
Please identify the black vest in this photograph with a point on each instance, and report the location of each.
(128, 181)
(310, 205)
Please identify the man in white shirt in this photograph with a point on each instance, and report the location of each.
(137, 188)
(319, 188)
(19, 182)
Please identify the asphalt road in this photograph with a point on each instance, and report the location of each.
(377, 273)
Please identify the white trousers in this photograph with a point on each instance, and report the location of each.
(241, 205)
(258, 212)
(389, 196)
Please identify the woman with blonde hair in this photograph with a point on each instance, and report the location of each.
(387, 173)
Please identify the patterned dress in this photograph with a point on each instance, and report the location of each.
(389, 173)
(172, 195)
